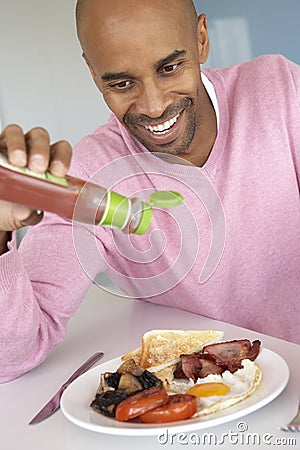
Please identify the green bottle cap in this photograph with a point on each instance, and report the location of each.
(145, 219)
(160, 199)
(116, 211)
(165, 199)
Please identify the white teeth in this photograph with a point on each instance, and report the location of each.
(162, 128)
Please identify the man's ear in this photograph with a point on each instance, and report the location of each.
(202, 38)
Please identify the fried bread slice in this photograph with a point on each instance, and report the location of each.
(162, 348)
(134, 354)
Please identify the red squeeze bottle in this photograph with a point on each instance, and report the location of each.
(78, 200)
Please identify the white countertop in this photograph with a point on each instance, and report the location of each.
(115, 325)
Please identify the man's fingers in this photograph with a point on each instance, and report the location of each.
(14, 216)
(38, 146)
(31, 149)
(24, 216)
(33, 219)
(12, 141)
(61, 154)
(34, 150)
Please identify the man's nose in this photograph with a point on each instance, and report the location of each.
(152, 100)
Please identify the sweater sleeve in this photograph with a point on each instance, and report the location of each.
(41, 286)
(45, 280)
(295, 71)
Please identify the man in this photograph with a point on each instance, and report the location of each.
(227, 139)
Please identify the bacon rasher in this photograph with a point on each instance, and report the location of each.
(216, 358)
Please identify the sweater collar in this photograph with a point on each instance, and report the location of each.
(212, 95)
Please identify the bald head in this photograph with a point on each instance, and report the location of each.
(86, 9)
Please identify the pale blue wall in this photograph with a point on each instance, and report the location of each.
(274, 25)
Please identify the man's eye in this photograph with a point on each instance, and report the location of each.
(121, 85)
(170, 68)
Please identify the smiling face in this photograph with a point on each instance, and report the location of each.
(145, 61)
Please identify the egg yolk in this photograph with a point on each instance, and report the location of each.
(208, 389)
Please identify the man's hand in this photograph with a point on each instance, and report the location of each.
(33, 150)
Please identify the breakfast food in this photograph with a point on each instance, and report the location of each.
(141, 403)
(161, 348)
(179, 374)
(178, 407)
(216, 392)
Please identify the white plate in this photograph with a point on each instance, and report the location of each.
(75, 402)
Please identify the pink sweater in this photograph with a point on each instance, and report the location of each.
(230, 252)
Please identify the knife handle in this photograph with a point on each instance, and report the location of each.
(84, 367)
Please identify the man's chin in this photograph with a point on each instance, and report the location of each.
(172, 147)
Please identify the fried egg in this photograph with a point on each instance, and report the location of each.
(237, 386)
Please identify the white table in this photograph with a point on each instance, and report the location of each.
(115, 325)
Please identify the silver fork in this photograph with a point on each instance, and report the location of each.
(294, 424)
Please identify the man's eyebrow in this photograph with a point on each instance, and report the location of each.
(170, 58)
(113, 76)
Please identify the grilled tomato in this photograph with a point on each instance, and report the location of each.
(179, 407)
(140, 403)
